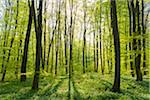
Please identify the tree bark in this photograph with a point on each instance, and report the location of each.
(71, 46)
(130, 42)
(144, 40)
(84, 37)
(114, 24)
(138, 45)
(38, 30)
(66, 39)
(25, 54)
(11, 43)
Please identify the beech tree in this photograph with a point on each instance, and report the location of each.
(84, 37)
(12, 41)
(70, 45)
(138, 45)
(25, 52)
(114, 25)
(38, 30)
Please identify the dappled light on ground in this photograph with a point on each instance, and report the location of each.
(87, 86)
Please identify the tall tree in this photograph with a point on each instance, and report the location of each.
(38, 30)
(136, 41)
(66, 39)
(130, 40)
(84, 36)
(100, 37)
(12, 40)
(25, 53)
(114, 25)
(71, 46)
(144, 39)
(110, 41)
(138, 45)
(94, 50)
(45, 22)
(127, 42)
(51, 42)
(57, 37)
(97, 57)
(5, 35)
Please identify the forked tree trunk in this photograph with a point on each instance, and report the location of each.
(38, 30)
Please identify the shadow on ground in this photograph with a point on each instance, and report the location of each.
(98, 89)
(16, 89)
(52, 89)
(76, 95)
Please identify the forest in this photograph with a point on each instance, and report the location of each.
(74, 49)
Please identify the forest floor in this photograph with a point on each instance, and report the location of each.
(89, 86)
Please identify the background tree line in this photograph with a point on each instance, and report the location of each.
(65, 37)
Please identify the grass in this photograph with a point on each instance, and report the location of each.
(89, 86)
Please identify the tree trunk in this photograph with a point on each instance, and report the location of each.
(57, 37)
(11, 43)
(51, 43)
(84, 37)
(130, 42)
(138, 45)
(38, 44)
(5, 40)
(25, 54)
(144, 40)
(114, 24)
(100, 38)
(45, 22)
(94, 51)
(66, 39)
(71, 44)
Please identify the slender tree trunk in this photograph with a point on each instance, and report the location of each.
(52, 59)
(25, 54)
(100, 38)
(56, 61)
(45, 22)
(97, 57)
(38, 29)
(66, 39)
(94, 52)
(109, 42)
(138, 45)
(126, 56)
(144, 40)
(84, 37)
(5, 40)
(71, 45)
(19, 56)
(11, 43)
(51, 43)
(17, 66)
(72, 30)
(133, 28)
(57, 40)
(104, 50)
(126, 45)
(130, 41)
(114, 24)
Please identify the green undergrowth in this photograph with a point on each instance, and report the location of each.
(89, 86)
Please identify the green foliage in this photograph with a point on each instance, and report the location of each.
(91, 86)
